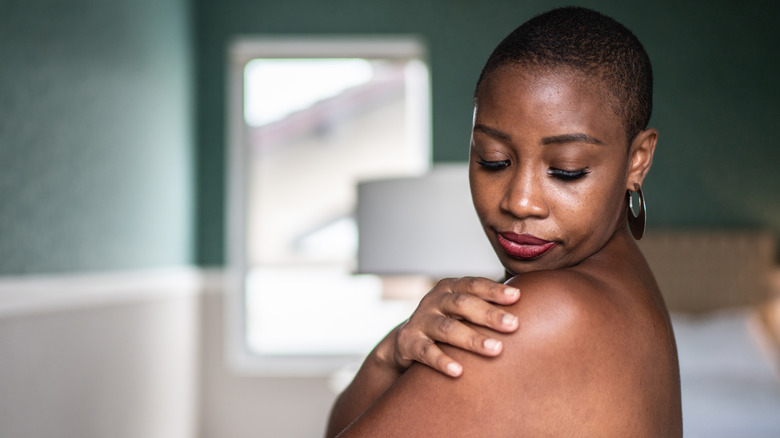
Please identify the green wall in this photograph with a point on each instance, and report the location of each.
(96, 135)
(716, 94)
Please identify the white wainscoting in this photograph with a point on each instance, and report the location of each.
(137, 355)
(101, 355)
(41, 293)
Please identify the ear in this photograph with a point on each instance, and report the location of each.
(641, 157)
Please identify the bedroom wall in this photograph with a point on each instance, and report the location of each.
(100, 355)
(95, 135)
(715, 102)
(96, 175)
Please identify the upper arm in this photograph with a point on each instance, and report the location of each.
(545, 380)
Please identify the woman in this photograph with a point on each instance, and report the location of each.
(559, 141)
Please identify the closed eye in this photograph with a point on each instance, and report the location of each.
(568, 175)
(493, 165)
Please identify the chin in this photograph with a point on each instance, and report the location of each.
(515, 267)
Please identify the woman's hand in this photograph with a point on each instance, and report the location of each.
(439, 318)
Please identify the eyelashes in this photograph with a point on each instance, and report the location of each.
(568, 175)
(493, 165)
(561, 174)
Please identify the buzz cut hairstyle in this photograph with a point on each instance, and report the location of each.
(591, 43)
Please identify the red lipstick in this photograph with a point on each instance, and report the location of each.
(524, 246)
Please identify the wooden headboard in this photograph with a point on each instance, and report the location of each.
(700, 271)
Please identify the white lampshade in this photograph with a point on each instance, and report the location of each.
(423, 225)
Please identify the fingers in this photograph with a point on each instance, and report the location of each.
(456, 333)
(416, 346)
(425, 351)
(486, 289)
(451, 313)
(435, 358)
(477, 311)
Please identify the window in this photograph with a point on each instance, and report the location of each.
(309, 118)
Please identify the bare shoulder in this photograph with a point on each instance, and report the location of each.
(585, 362)
(573, 324)
(562, 303)
(608, 345)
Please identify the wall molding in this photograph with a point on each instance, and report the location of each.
(21, 295)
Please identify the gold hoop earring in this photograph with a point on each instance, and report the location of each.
(637, 222)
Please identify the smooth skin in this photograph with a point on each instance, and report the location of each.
(593, 353)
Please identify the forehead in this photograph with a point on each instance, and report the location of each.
(555, 100)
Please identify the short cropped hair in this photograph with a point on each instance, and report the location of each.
(592, 43)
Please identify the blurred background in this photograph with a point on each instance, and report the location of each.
(114, 187)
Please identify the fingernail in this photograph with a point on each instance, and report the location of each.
(492, 344)
(454, 369)
(509, 320)
(511, 291)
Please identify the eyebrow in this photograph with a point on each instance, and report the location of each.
(495, 133)
(553, 140)
(571, 138)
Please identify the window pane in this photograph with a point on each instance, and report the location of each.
(314, 128)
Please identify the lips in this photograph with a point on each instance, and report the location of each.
(524, 246)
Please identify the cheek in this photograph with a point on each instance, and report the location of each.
(476, 195)
(485, 196)
(482, 201)
(585, 208)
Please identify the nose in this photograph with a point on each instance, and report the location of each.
(524, 197)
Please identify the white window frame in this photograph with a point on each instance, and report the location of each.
(242, 50)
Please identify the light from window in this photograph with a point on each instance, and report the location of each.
(311, 128)
(276, 88)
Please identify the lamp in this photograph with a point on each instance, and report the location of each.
(423, 225)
